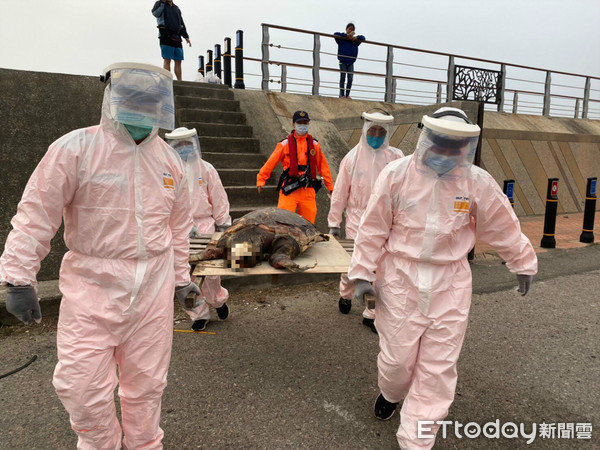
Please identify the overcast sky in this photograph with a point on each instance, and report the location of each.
(82, 37)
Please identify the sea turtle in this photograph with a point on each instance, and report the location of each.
(267, 233)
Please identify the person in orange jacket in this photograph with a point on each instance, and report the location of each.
(302, 161)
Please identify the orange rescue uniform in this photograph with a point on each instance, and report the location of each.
(301, 200)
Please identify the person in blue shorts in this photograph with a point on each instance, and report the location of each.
(171, 34)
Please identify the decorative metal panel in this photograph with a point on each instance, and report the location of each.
(481, 85)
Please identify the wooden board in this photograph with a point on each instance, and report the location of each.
(331, 256)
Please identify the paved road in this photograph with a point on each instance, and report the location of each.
(287, 370)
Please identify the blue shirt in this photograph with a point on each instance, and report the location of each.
(348, 50)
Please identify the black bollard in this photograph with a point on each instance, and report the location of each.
(227, 62)
(587, 234)
(509, 189)
(209, 63)
(201, 65)
(218, 60)
(548, 240)
(239, 60)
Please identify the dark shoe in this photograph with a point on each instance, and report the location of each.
(223, 312)
(371, 324)
(384, 410)
(199, 325)
(345, 305)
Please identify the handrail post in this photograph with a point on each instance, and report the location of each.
(239, 60)
(265, 58)
(316, 64)
(501, 87)
(394, 90)
(546, 108)
(201, 65)
(389, 74)
(515, 102)
(450, 88)
(438, 96)
(227, 62)
(218, 61)
(576, 115)
(209, 63)
(586, 97)
(283, 78)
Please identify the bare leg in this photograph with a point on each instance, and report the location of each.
(167, 64)
(178, 70)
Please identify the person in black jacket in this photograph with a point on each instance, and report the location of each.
(171, 31)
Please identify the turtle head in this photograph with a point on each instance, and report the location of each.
(243, 255)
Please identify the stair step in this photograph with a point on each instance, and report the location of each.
(213, 144)
(219, 130)
(208, 116)
(223, 161)
(245, 196)
(238, 177)
(234, 160)
(203, 91)
(214, 104)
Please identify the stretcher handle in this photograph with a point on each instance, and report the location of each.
(369, 301)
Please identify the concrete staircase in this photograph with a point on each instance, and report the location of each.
(226, 142)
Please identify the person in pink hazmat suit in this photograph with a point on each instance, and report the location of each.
(210, 209)
(356, 176)
(412, 243)
(123, 196)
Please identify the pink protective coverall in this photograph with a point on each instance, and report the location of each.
(126, 219)
(413, 242)
(210, 207)
(357, 174)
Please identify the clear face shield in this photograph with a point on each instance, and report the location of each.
(185, 142)
(376, 130)
(446, 145)
(141, 95)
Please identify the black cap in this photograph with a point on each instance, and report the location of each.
(300, 115)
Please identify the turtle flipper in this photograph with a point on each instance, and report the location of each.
(284, 248)
(210, 252)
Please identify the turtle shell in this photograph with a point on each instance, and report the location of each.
(276, 222)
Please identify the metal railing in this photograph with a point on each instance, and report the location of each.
(413, 76)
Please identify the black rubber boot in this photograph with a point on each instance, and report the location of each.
(371, 324)
(223, 311)
(199, 325)
(345, 305)
(384, 410)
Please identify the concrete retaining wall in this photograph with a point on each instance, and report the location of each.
(37, 108)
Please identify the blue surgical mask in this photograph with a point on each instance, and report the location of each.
(301, 128)
(440, 164)
(138, 133)
(186, 152)
(375, 141)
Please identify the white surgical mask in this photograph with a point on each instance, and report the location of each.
(301, 128)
